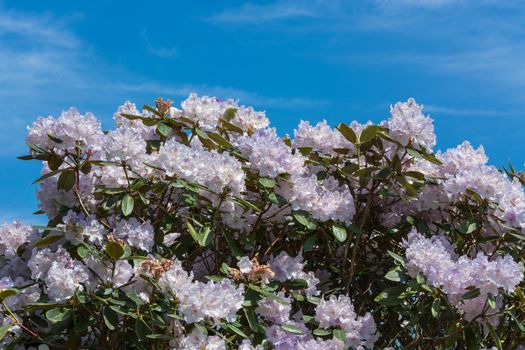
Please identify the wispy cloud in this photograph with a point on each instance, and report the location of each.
(279, 10)
(160, 51)
(220, 91)
(442, 110)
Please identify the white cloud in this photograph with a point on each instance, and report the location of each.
(244, 97)
(160, 51)
(280, 10)
(252, 13)
(442, 110)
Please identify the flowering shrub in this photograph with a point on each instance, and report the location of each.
(201, 228)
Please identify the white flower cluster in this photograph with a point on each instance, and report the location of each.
(13, 236)
(135, 233)
(409, 126)
(464, 168)
(268, 154)
(208, 110)
(71, 128)
(287, 268)
(78, 228)
(61, 274)
(339, 312)
(326, 201)
(198, 301)
(216, 171)
(320, 137)
(434, 257)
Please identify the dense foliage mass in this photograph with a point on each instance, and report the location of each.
(201, 228)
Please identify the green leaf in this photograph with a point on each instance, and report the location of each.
(339, 232)
(276, 199)
(54, 162)
(397, 275)
(47, 240)
(391, 296)
(297, 284)
(290, 328)
(495, 336)
(267, 294)
(304, 220)
(309, 243)
(141, 329)
(86, 167)
(220, 140)
(201, 133)
(491, 301)
(229, 114)
(397, 257)
(114, 250)
(252, 320)
(225, 124)
(137, 184)
(518, 236)
(82, 251)
(54, 138)
(28, 157)
(321, 332)
(339, 334)
(471, 294)
(58, 315)
(368, 134)
(193, 232)
(110, 318)
(233, 244)
(6, 293)
(4, 330)
(347, 132)
(436, 304)
(245, 204)
(66, 180)
(235, 329)
(127, 205)
(268, 183)
(468, 227)
(164, 129)
(205, 236)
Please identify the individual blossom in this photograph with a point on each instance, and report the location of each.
(136, 234)
(245, 265)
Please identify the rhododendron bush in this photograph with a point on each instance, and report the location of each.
(201, 228)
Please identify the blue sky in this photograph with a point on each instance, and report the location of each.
(338, 60)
